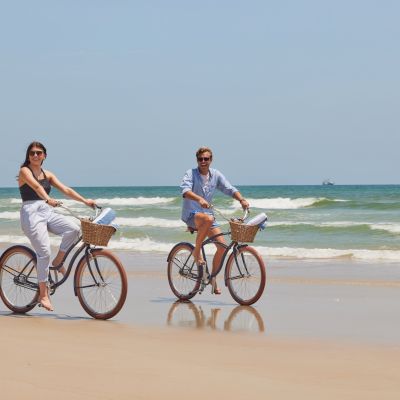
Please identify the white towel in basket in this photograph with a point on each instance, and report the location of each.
(259, 220)
(106, 216)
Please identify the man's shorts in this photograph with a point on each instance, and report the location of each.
(191, 224)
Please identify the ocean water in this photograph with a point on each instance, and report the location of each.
(305, 222)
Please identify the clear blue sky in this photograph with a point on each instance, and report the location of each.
(124, 92)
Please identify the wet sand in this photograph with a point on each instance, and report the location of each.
(321, 330)
(332, 300)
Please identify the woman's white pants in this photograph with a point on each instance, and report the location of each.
(37, 220)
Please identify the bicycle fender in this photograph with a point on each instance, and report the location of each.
(179, 244)
(232, 255)
(92, 251)
(17, 246)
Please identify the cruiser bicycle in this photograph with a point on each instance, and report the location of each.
(100, 280)
(244, 275)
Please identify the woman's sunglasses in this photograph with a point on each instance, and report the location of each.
(35, 153)
(200, 159)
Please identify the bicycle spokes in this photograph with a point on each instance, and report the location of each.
(101, 284)
(18, 279)
(245, 275)
(184, 275)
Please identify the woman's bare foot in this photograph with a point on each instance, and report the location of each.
(45, 302)
(58, 260)
(62, 270)
(44, 296)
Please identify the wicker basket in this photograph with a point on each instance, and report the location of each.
(243, 233)
(96, 234)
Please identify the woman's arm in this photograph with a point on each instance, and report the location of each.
(69, 191)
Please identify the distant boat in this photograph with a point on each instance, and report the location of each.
(328, 182)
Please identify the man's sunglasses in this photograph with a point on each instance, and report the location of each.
(35, 152)
(200, 159)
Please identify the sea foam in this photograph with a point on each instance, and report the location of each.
(284, 203)
(304, 253)
(150, 221)
(135, 201)
(9, 215)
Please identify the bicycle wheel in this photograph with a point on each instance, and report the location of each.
(184, 276)
(101, 284)
(245, 275)
(18, 279)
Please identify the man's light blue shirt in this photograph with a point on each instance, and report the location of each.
(192, 181)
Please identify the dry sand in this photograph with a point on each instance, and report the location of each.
(52, 358)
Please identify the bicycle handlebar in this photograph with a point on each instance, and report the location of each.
(97, 210)
(246, 213)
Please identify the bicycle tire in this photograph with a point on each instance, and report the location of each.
(245, 275)
(184, 276)
(19, 288)
(101, 284)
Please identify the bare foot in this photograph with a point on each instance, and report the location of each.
(214, 287)
(58, 259)
(198, 259)
(45, 302)
(61, 270)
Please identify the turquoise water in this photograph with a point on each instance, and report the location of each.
(306, 222)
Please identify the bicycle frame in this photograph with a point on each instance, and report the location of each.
(23, 277)
(71, 263)
(83, 247)
(232, 245)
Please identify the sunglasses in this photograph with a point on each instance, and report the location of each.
(200, 159)
(35, 153)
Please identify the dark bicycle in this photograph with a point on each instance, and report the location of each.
(244, 275)
(100, 280)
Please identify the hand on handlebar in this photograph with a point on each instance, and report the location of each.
(91, 203)
(245, 205)
(54, 202)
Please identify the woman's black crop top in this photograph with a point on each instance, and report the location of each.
(27, 193)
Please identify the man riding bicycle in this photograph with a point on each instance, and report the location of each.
(198, 187)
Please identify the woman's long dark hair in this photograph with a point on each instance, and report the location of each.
(33, 144)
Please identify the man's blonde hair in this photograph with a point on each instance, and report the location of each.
(202, 150)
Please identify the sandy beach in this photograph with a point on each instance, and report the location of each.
(46, 357)
(321, 330)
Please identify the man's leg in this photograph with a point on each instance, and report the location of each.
(203, 224)
(217, 256)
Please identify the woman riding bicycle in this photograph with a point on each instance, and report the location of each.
(38, 217)
(198, 187)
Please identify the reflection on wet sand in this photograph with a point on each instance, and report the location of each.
(240, 319)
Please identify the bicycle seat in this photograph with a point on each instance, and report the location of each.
(191, 230)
